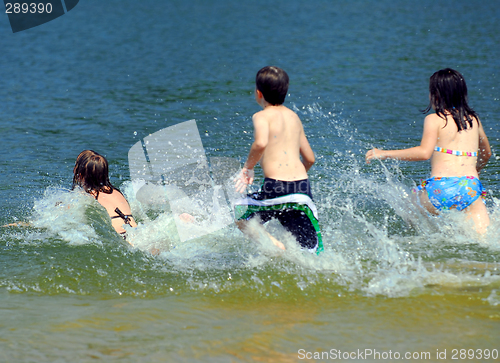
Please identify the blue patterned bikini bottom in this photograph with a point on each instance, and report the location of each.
(452, 192)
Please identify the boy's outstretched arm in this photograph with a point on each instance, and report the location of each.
(261, 138)
(306, 152)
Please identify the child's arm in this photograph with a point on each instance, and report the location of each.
(261, 138)
(422, 152)
(484, 149)
(306, 152)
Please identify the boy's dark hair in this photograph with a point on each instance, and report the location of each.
(91, 173)
(448, 92)
(273, 83)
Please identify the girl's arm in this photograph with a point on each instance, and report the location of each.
(422, 152)
(484, 153)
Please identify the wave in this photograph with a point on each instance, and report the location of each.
(377, 242)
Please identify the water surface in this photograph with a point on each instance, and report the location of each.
(108, 74)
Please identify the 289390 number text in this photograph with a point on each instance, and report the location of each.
(474, 353)
(24, 8)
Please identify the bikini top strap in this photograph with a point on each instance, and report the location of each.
(126, 218)
(455, 152)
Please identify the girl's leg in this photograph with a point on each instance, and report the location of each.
(425, 203)
(479, 214)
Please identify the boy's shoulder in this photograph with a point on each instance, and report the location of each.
(271, 112)
(260, 113)
(261, 116)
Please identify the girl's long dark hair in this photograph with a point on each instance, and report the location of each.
(91, 173)
(448, 93)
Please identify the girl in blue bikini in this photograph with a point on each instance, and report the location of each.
(455, 141)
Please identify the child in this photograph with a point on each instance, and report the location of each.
(455, 139)
(91, 174)
(279, 142)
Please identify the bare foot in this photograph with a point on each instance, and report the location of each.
(188, 218)
(256, 232)
(276, 242)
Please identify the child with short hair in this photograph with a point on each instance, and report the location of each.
(279, 144)
(455, 141)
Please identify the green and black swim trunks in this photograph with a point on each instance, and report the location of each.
(291, 203)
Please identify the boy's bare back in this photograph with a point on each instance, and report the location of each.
(285, 156)
(280, 130)
(280, 142)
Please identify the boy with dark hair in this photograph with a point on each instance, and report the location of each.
(279, 144)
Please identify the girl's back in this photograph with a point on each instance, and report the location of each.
(455, 141)
(91, 174)
(113, 201)
(449, 138)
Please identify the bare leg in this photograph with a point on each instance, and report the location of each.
(254, 232)
(275, 241)
(17, 224)
(476, 211)
(479, 214)
(426, 203)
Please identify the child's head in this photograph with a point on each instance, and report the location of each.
(91, 173)
(447, 89)
(273, 83)
(448, 93)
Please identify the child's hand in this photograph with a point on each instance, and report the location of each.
(374, 154)
(244, 179)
